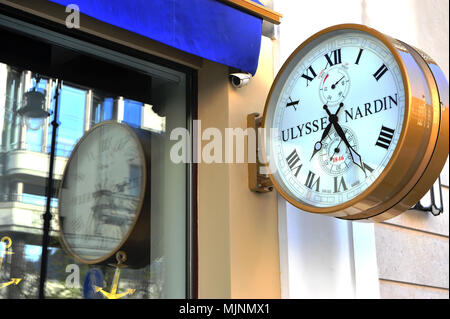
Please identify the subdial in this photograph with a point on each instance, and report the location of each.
(335, 158)
(334, 85)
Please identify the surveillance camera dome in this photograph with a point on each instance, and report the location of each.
(240, 79)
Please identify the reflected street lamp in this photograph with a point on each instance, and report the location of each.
(33, 109)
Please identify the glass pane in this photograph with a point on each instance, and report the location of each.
(24, 169)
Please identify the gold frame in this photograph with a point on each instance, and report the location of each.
(397, 188)
(136, 243)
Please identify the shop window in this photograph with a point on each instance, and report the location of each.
(97, 85)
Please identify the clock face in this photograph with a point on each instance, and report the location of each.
(337, 113)
(102, 191)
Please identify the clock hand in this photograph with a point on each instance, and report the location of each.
(356, 158)
(334, 85)
(336, 150)
(318, 145)
(325, 107)
(332, 118)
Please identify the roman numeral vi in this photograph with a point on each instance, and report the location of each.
(339, 185)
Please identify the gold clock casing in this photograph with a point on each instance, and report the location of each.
(422, 148)
(136, 243)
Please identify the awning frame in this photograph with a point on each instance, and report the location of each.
(255, 9)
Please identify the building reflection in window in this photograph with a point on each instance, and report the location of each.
(24, 149)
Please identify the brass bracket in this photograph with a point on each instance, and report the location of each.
(257, 182)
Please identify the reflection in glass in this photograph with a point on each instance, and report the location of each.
(24, 155)
(99, 198)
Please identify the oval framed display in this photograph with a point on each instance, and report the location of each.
(104, 196)
(356, 124)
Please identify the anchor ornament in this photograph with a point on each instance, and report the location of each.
(7, 251)
(121, 257)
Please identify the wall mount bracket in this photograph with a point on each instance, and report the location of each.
(257, 181)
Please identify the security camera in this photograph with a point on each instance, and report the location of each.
(240, 79)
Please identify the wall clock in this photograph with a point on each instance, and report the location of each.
(104, 198)
(356, 124)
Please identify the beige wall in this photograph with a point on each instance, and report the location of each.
(238, 234)
(213, 191)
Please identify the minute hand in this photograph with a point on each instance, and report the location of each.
(356, 158)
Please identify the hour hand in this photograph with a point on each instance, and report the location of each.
(318, 145)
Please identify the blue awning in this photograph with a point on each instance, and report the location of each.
(206, 28)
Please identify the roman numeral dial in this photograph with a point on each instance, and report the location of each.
(337, 115)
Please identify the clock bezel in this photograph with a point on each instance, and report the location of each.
(136, 242)
(371, 199)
